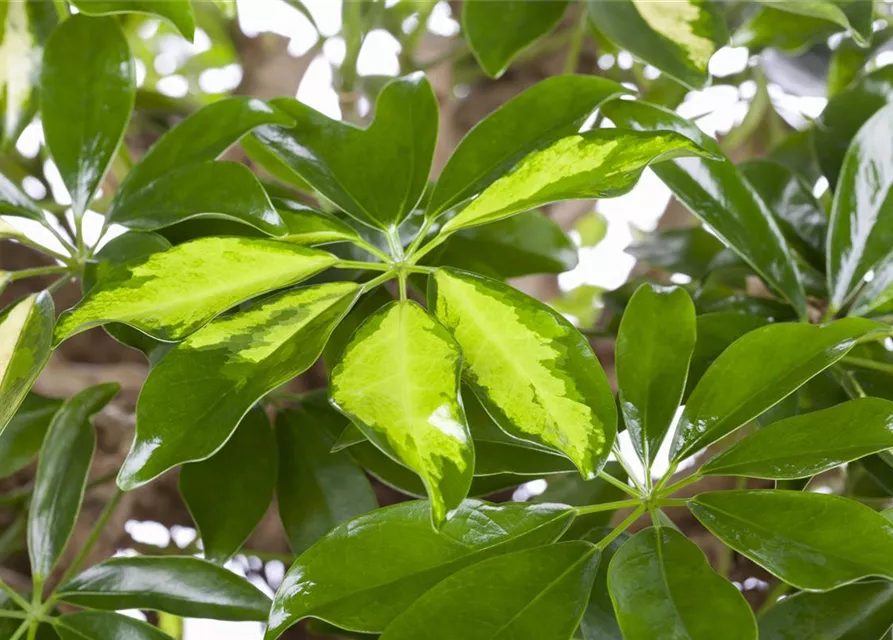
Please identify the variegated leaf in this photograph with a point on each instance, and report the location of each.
(196, 395)
(398, 380)
(171, 294)
(533, 371)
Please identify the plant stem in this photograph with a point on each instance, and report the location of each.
(777, 592)
(37, 271)
(420, 237)
(371, 248)
(95, 532)
(607, 477)
(865, 363)
(14, 596)
(607, 506)
(61, 282)
(371, 284)
(23, 628)
(673, 488)
(13, 614)
(359, 264)
(672, 502)
(627, 469)
(666, 477)
(620, 528)
(428, 248)
(576, 43)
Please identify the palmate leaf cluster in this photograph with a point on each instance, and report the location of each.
(444, 381)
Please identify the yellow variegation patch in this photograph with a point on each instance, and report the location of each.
(398, 380)
(533, 371)
(597, 164)
(171, 294)
(678, 21)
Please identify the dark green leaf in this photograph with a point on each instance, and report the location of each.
(87, 91)
(398, 380)
(660, 580)
(862, 611)
(239, 359)
(757, 371)
(183, 586)
(797, 535)
(716, 193)
(377, 175)
(679, 38)
(845, 115)
(15, 203)
(62, 477)
(401, 557)
(599, 621)
(515, 129)
(496, 32)
(26, 333)
(603, 163)
(768, 27)
(797, 212)
(854, 15)
(654, 346)
(518, 246)
(24, 29)
(178, 12)
(534, 594)
(172, 294)
(317, 489)
(212, 188)
(573, 490)
(861, 228)
(689, 250)
(101, 625)
(716, 331)
(535, 374)
(804, 446)
(22, 438)
(229, 493)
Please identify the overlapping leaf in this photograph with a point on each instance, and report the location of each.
(88, 625)
(171, 294)
(532, 370)
(368, 570)
(717, 194)
(398, 380)
(238, 358)
(178, 12)
(23, 436)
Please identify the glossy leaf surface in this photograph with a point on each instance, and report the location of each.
(861, 228)
(229, 493)
(177, 12)
(715, 192)
(534, 594)
(806, 445)
(799, 215)
(239, 359)
(61, 479)
(394, 152)
(24, 29)
(398, 380)
(679, 38)
(183, 586)
(87, 89)
(21, 440)
(172, 294)
(603, 163)
(532, 370)
(662, 586)
(368, 570)
(309, 226)
(797, 535)
(600, 621)
(515, 129)
(216, 189)
(654, 346)
(498, 32)
(861, 611)
(757, 371)
(317, 489)
(90, 625)
(26, 332)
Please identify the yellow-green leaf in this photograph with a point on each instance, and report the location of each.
(171, 294)
(26, 331)
(196, 395)
(604, 163)
(178, 12)
(533, 371)
(398, 380)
